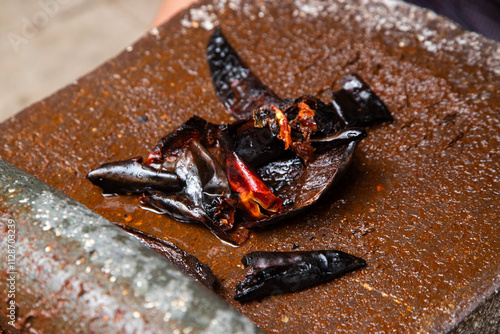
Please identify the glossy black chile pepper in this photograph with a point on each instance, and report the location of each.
(275, 273)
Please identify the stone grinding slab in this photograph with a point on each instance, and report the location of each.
(420, 203)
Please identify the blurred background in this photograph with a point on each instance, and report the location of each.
(47, 44)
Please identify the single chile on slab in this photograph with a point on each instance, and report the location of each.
(275, 273)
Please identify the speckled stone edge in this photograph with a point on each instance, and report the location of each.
(75, 271)
(484, 319)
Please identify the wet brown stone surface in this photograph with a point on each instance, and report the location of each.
(420, 202)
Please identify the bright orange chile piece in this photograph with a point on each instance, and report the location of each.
(256, 199)
(285, 131)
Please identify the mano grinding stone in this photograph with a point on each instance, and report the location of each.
(420, 203)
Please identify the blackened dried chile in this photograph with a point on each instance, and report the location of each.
(358, 104)
(180, 178)
(206, 197)
(254, 145)
(241, 92)
(187, 263)
(297, 186)
(176, 142)
(282, 272)
(235, 85)
(131, 176)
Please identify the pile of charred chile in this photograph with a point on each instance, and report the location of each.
(277, 159)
